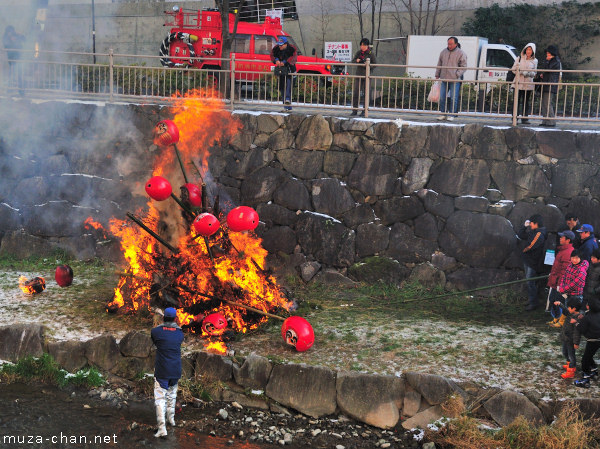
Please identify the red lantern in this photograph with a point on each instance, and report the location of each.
(194, 194)
(206, 224)
(63, 275)
(158, 188)
(214, 324)
(242, 218)
(166, 133)
(298, 332)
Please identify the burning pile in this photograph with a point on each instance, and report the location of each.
(213, 275)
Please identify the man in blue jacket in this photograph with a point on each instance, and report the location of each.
(588, 241)
(167, 369)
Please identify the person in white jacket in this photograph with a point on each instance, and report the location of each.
(527, 64)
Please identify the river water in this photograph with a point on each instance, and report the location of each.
(45, 417)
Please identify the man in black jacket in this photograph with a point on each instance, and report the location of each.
(284, 55)
(534, 233)
(549, 91)
(589, 327)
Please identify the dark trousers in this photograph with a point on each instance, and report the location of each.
(587, 361)
(358, 88)
(524, 101)
(568, 351)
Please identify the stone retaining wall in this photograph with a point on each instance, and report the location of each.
(412, 400)
(371, 199)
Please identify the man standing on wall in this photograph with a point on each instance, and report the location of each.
(284, 56)
(167, 369)
(359, 84)
(450, 67)
(534, 233)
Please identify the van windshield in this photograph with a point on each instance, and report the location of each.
(291, 41)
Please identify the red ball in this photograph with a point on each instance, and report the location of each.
(158, 188)
(206, 224)
(214, 324)
(63, 275)
(242, 218)
(194, 194)
(298, 332)
(166, 133)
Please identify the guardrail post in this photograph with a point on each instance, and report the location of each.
(515, 111)
(232, 79)
(367, 85)
(110, 74)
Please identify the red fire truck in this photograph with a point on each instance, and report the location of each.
(195, 40)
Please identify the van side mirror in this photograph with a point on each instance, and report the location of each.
(314, 51)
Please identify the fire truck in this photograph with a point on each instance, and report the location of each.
(195, 40)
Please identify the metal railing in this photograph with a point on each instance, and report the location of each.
(251, 82)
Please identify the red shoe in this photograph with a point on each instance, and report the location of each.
(569, 374)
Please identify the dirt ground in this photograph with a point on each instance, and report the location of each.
(488, 341)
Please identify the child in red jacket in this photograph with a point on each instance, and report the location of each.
(561, 262)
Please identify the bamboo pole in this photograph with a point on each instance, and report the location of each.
(152, 233)
(180, 163)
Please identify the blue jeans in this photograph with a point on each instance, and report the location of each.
(532, 287)
(285, 87)
(454, 90)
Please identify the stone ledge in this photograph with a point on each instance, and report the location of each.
(376, 400)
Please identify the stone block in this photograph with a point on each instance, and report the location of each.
(412, 402)
(434, 389)
(70, 355)
(136, 344)
(422, 419)
(213, 367)
(310, 390)
(254, 372)
(103, 352)
(472, 203)
(372, 399)
(314, 134)
(21, 340)
(506, 406)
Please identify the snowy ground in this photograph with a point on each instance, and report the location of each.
(519, 357)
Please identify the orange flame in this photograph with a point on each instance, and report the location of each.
(89, 223)
(33, 286)
(217, 347)
(198, 284)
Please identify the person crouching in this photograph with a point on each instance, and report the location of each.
(167, 369)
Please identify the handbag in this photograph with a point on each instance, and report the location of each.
(281, 70)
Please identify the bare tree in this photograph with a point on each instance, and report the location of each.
(359, 7)
(422, 15)
(324, 20)
(227, 37)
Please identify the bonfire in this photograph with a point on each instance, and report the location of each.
(213, 272)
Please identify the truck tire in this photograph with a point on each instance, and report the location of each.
(167, 60)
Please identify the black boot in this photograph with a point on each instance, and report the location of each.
(354, 112)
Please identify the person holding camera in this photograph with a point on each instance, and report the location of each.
(284, 55)
(359, 84)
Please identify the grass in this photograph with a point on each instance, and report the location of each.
(569, 430)
(45, 369)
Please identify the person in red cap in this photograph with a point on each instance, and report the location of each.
(167, 369)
